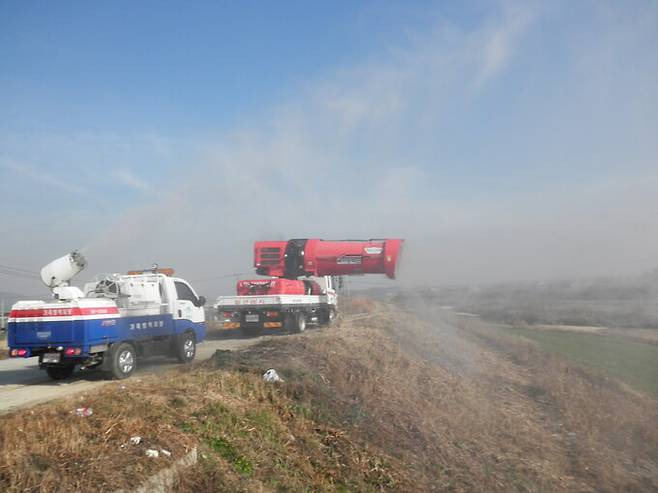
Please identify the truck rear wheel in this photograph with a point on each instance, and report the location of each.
(186, 347)
(124, 361)
(332, 317)
(60, 372)
(289, 322)
(299, 323)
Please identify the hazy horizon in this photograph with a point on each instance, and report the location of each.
(504, 141)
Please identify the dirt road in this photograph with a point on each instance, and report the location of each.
(22, 384)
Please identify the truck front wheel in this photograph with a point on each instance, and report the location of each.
(124, 361)
(186, 347)
(60, 372)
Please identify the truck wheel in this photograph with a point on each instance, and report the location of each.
(300, 323)
(288, 322)
(186, 347)
(60, 372)
(332, 318)
(124, 361)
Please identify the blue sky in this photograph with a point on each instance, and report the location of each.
(172, 67)
(505, 140)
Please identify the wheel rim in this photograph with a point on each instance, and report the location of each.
(188, 348)
(301, 324)
(126, 361)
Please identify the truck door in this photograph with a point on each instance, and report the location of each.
(187, 305)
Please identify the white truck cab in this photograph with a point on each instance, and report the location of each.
(187, 304)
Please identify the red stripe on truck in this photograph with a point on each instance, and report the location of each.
(63, 312)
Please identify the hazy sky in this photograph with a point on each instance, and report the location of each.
(503, 140)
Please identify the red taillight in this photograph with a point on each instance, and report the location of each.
(72, 351)
(18, 353)
(271, 314)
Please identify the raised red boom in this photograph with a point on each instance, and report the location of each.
(312, 257)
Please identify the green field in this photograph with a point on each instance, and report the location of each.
(633, 362)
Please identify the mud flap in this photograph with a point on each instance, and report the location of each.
(106, 364)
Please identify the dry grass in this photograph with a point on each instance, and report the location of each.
(449, 435)
(608, 431)
(566, 328)
(251, 435)
(50, 448)
(4, 351)
(649, 336)
(469, 411)
(387, 403)
(357, 305)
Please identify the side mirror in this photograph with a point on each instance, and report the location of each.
(202, 301)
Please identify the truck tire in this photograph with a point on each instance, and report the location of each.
(186, 349)
(289, 322)
(60, 372)
(123, 361)
(332, 318)
(299, 323)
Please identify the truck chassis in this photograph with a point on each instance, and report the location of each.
(292, 313)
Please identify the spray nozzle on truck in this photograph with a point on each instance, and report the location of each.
(58, 274)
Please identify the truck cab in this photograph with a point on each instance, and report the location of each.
(188, 307)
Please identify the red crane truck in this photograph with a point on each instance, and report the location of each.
(283, 300)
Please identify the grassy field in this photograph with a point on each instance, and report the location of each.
(635, 363)
(388, 402)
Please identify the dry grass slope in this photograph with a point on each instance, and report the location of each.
(386, 402)
(470, 410)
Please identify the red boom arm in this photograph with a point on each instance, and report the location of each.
(294, 258)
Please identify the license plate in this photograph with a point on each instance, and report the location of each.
(251, 318)
(51, 358)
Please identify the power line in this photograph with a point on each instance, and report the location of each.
(17, 296)
(219, 277)
(6, 272)
(18, 270)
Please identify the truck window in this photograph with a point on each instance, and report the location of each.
(184, 292)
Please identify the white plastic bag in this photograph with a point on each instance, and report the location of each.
(272, 376)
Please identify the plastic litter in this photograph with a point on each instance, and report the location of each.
(84, 412)
(166, 453)
(152, 453)
(272, 376)
(135, 440)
